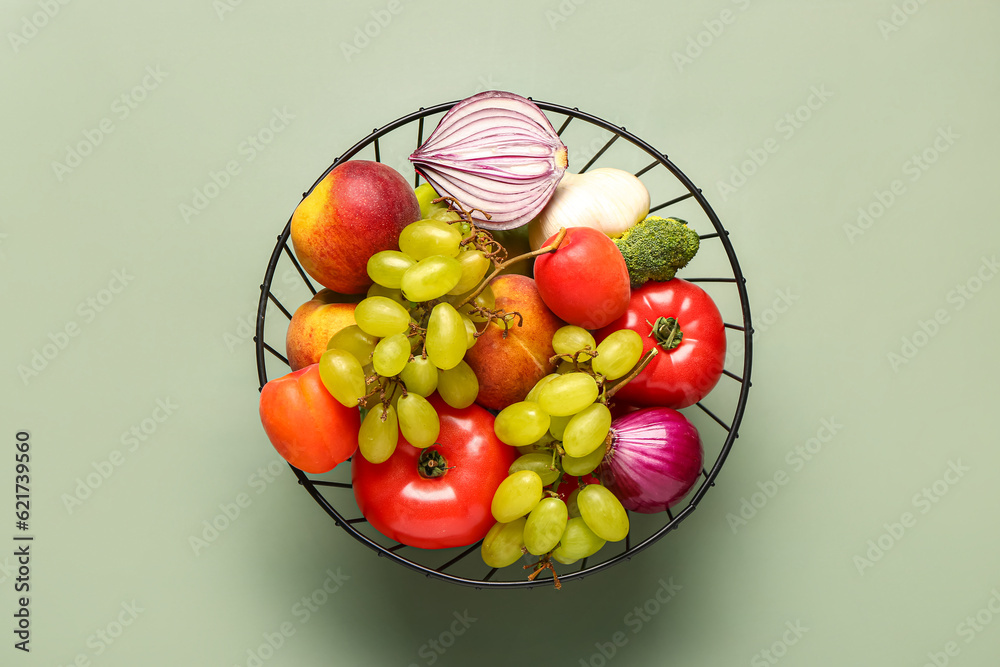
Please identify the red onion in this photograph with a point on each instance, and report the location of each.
(495, 152)
(654, 459)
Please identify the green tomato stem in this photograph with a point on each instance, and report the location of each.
(432, 463)
(667, 332)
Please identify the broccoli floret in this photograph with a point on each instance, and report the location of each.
(656, 247)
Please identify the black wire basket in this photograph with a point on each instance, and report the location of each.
(590, 140)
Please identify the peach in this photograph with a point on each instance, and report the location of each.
(314, 323)
(508, 367)
(357, 210)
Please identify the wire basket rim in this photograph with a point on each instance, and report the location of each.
(738, 279)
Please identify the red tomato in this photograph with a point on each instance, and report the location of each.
(451, 510)
(309, 427)
(584, 281)
(682, 375)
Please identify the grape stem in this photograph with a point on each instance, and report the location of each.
(543, 563)
(503, 265)
(574, 358)
(648, 357)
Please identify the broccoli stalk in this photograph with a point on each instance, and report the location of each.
(656, 247)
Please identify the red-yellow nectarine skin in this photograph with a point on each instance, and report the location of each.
(307, 426)
(357, 210)
(507, 368)
(313, 324)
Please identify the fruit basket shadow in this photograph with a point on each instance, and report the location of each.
(591, 141)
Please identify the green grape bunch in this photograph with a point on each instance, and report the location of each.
(429, 302)
(562, 429)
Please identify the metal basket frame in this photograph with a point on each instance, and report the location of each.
(314, 486)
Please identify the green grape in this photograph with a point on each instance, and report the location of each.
(521, 424)
(444, 215)
(377, 438)
(533, 394)
(502, 544)
(458, 386)
(425, 238)
(583, 465)
(380, 316)
(388, 266)
(425, 196)
(395, 393)
(557, 426)
(565, 367)
(578, 541)
(470, 332)
(354, 340)
(446, 336)
(420, 376)
(571, 505)
(545, 526)
(543, 445)
(394, 294)
(342, 375)
(568, 394)
(463, 226)
(485, 299)
(603, 513)
(430, 278)
(474, 266)
(618, 353)
(570, 339)
(587, 430)
(418, 421)
(538, 462)
(516, 496)
(391, 355)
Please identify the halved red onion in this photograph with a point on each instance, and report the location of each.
(495, 152)
(654, 459)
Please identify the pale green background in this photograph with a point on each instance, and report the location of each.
(178, 330)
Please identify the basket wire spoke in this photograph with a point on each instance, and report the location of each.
(356, 527)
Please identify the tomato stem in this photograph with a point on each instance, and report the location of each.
(666, 331)
(432, 463)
